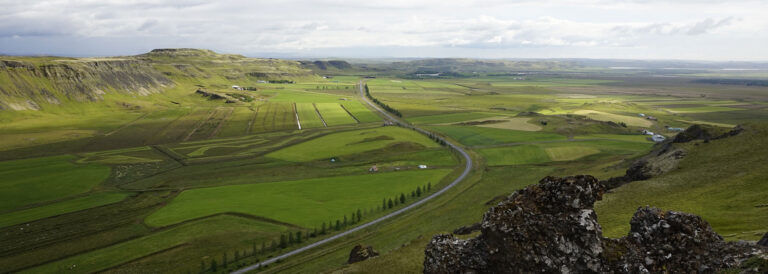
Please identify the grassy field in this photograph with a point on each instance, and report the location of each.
(363, 114)
(273, 117)
(308, 116)
(610, 117)
(449, 118)
(31, 181)
(212, 228)
(80, 203)
(514, 155)
(523, 124)
(334, 115)
(307, 203)
(569, 153)
(350, 142)
(471, 135)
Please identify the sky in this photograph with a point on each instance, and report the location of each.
(622, 29)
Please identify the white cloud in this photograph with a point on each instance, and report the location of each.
(489, 28)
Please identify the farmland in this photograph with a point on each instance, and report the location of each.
(174, 180)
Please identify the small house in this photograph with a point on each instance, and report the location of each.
(641, 115)
(647, 132)
(237, 87)
(658, 138)
(422, 166)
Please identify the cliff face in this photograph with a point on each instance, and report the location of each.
(551, 227)
(28, 84)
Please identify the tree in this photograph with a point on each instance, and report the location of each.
(338, 225)
(253, 249)
(213, 265)
(298, 236)
(202, 265)
(418, 191)
(384, 203)
(322, 230)
(345, 220)
(263, 247)
(273, 246)
(429, 186)
(413, 194)
(390, 204)
(359, 215)
(314, 233)
(283, 241)
(290, 238)
(402, 198)
(224, 261)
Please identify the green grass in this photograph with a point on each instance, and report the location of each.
(349, 142)
(237, 124)
(308, 116)
(38, 180)
(450, 118)
(362, 113)
(470, 135)
(616, 118)
(334, 115)
(701, 109)
(514, 155)
(67, 206)
(227, 226)
(569, 153)
(629, 138)
(273, 117)
(307, 203)
(726, 192)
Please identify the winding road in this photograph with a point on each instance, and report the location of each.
(467, 168)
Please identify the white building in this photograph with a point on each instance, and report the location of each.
(658, 138)
(422, 166)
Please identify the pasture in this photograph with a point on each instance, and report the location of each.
(350, 142)
(308, 116)
(30, 181)
(362, 113)
(473, 136)
(334, 115)
(306, 203)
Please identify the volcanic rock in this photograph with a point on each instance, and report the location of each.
(360, 253)
(552, 227)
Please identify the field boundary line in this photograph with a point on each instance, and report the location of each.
(127, 124)
(295, 112)
(221, 124)
(319, 115)
(350, 113)
(199, 124)
(249, 130)
(468, 164)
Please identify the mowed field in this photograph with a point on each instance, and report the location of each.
(561, 151)
(350, 142)
(334, 114)
(473, 135)
(308, 116)
(307, 203)
(36, 180)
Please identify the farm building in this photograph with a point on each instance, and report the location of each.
(641, 115)
(237, 87)
(647, 132)
(658, 138)
(422, 166)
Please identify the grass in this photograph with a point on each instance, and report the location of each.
(616, 118)
(307, 203)
(349, 142)
(308, 116)
(470, 135)
(363, 114)
(569, 153)
(274, 116)
(38, 180)
(620, 137)
(334, 115)
(101, 259)
(727, 193)
(701, 109)
(59, 208)
(514, 155)
(449, 118)
(513, 124)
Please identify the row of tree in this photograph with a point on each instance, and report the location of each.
(382, 104)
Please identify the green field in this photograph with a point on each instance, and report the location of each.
(76, 204)
(471, 135)
(274, 116)
(514, 155)
(363, 114)
(31, 181)
(308, 116)
(334, 115)
(610, 117)
(569, 153)
(307, 203)
(218, 226)
(450, 118)
(350, 142)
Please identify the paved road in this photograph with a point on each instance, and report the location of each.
(461, 177)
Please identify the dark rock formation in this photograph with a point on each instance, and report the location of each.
(551, 227)
(360, 253)
(764, 240)
(464, 230)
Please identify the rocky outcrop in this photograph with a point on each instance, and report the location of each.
(360, 253)
(551, 227)
(763, 241)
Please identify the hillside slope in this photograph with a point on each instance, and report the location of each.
(724, 181)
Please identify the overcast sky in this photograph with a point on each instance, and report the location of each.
(627, 29)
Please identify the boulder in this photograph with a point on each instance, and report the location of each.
(551, 227)
(360, 253)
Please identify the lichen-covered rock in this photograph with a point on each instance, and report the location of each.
(551, 227)
(360, 253)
